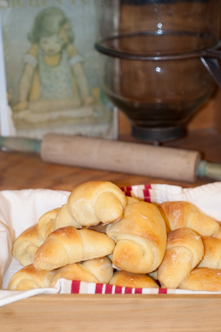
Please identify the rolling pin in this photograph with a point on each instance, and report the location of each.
(117, 156)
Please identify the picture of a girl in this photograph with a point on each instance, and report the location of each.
(53, 77)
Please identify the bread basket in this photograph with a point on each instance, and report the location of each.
(74, 306)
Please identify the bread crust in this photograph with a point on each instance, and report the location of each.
(30, 278)
(69, 245)
(26, 244)
(212, 254)
(203, 279)
(179, 214)
(140, 238)
(127, 279)
(185, 250)
(97, 201)
(98, 270)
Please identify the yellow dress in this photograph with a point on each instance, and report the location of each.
(50, 64)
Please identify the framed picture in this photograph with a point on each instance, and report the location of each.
(51, 73)
(4, 109)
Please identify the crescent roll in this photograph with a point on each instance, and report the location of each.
(54, 219)
(97, 201)
(140, 238)
(218, 235)
(180, 214)
(28, 278)
(203, 279)
(26, 245)
(88, 205)
(46, 222)
(127, 279)
(212, 255)
(185, 250)
(69, 245)
(98, 270)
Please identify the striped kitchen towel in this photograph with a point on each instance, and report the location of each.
(81, 287)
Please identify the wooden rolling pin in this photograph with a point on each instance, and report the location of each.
(117, 156)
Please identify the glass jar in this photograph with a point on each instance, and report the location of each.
(154, 69)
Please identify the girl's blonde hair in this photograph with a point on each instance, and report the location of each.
(51, 21)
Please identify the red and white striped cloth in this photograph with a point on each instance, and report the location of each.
(81, 287)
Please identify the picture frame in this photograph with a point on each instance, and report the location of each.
(4, 125)
(90, 113)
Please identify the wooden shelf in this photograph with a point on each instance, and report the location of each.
(137, 313)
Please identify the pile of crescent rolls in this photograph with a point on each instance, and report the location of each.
(102, 236)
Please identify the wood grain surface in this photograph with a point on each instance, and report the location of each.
(27, 170)
(152, 313)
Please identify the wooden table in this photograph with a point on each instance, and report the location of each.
(141, 313)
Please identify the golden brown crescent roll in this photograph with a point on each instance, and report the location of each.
(203, 279)
(28, 278)
(101, 268)
(46, 222)
(89, 204)
(26, 244)
(184, 214)
(98, 270)
(218, 235)
(65, 218)
(127, 279)
(140, 238)
(184, 251)
(54, 219)
(212, 255)
(68, 245)
(96, 201)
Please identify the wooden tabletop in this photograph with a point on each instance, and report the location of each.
(27, 170)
